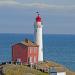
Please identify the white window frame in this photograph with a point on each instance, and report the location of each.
(34, 59)
(30, 59)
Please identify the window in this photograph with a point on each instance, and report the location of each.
(35, 48)
(18, 60)
(30, 49)
(34, 59)
(30, 59)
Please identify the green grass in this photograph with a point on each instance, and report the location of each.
(21, 70)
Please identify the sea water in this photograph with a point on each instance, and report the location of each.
(57, 47)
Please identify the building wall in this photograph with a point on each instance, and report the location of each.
(33, 54)
(25, 54)
(19, 52)
(61, 73)
(53, 74)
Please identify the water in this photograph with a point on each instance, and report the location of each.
(58, 48)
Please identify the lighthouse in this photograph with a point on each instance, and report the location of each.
(38, 35)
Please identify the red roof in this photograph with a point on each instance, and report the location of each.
(27, 42)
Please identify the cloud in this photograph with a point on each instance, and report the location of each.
(49, 7)
(7, 2)
(14, 3)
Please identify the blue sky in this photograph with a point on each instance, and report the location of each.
(18, 16)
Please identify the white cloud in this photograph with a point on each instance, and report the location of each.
(7, 2)
(36, 5)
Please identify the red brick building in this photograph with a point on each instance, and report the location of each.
(25, 52)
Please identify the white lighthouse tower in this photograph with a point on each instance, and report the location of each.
(38, 36)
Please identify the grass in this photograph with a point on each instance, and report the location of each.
(21, 70)
(11, 69)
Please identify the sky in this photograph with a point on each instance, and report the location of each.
(18, 16)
